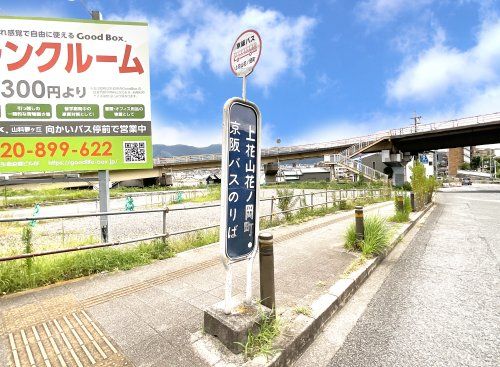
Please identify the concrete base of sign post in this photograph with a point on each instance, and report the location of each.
(233, 329)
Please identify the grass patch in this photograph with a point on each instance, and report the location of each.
(213, 194)
(16, 276)
(261, 343)
(194, 240)
(376, 235)
(36, 272)
(401, 216)
(304, 310)
(303, 215)
(354, 266)
(321, 284)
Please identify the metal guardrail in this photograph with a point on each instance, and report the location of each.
(336, 195)
(277, 151)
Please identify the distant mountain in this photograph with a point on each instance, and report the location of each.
(165, 151)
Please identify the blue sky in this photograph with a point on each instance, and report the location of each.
(329, 69)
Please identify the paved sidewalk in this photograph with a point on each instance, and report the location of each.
(150, 316)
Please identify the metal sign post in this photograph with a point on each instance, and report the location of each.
(103, 176)
(241, 169)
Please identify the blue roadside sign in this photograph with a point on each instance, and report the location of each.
(240, 179)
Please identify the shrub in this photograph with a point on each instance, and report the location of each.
(423, 186)
(376, 235)
(401, 215)
(286, 201)
(407, 186)
(465, 166)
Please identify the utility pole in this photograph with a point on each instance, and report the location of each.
(416, 120)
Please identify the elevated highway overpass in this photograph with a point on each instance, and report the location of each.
(475, 130)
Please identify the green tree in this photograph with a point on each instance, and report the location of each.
(475, 162)
(419, 183)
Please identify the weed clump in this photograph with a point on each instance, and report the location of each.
(261, 343)
(376, 237)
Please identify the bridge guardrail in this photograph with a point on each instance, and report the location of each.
(449, 124)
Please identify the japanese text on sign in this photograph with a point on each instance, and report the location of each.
(67, 82)
(242, 181)
(245, 53)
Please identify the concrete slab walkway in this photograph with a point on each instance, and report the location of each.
(148, 316)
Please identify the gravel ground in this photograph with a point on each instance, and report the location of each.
(72, 232)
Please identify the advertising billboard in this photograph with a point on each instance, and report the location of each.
(74, 95)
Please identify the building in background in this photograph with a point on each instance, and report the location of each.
(457, 157)
(306, 174)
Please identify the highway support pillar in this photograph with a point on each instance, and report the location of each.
(266, 267)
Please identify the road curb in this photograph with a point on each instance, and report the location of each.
(304, 329)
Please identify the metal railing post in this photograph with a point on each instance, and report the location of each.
(266, 268)
(272, 210)
(164, 225)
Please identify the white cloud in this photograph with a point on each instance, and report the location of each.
(337, 129)
(382, 11)
(199, 134)
(177, 89)
(179, 133)
(442, 69)
(423, 33)
(323, 83)
(486, 101)
(199, 36)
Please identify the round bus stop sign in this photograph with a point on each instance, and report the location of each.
(245, 53)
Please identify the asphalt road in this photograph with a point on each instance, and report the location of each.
(438, 304)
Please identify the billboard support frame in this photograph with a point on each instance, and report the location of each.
(103, 175)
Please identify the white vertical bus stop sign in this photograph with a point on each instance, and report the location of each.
(240, 179)
(240, 169)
